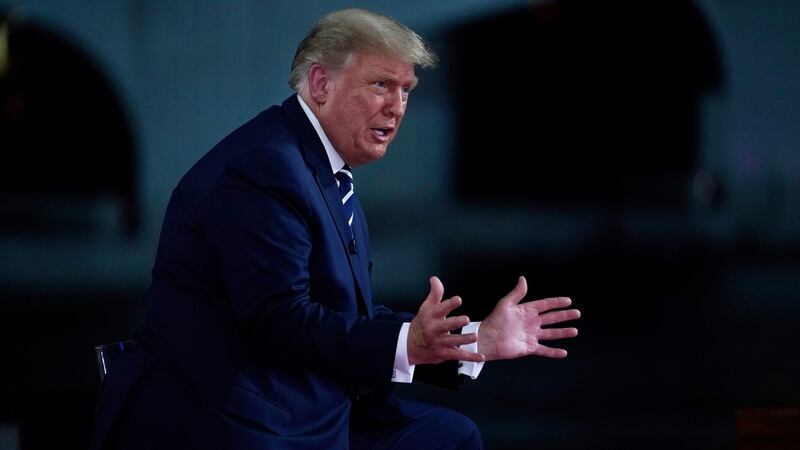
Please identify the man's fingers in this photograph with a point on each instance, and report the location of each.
(518, 293)
(453, 323)
(446, 307)
(548, 334)
(456, 353)
(559, 316)
(549, 352)
(436, 292)
(454, 340)
(551, 303)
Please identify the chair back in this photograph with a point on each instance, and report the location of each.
(108, 353)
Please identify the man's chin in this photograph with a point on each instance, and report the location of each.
(371, 153)
(378, 153)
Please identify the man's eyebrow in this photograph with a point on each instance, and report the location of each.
(389, 77)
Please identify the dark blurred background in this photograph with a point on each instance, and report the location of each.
(642, 157)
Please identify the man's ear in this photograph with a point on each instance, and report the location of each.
(319, 83)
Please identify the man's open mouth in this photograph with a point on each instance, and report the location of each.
(382, 133)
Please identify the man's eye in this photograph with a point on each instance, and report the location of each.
(380, 84)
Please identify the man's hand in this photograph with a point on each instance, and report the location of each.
(429, 338)
(514, 329)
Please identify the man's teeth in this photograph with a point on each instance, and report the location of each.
(380, 131)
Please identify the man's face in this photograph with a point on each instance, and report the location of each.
(365, 105)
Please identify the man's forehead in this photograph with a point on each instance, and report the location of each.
(384, 66)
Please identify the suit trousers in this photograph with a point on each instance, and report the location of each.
(440, 429)
(139, 427)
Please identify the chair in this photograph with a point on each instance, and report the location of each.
(108, 353)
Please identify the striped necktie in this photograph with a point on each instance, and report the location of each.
(344, 178)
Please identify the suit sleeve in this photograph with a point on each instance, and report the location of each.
(444, 374)
(260, 232)
(382, 312)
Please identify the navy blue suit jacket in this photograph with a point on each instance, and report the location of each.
(260, 329)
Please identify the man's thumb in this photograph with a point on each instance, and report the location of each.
(437, 290)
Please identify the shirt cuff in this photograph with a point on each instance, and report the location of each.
(469, 368)
(403, 372)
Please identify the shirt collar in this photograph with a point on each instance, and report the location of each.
(334, 158)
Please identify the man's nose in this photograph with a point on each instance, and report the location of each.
(395, 104)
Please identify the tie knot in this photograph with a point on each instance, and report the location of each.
(344, 179)
(344, 175)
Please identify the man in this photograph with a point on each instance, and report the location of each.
(261, 331)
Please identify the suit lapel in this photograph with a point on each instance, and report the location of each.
(316, 157)
(362, 256)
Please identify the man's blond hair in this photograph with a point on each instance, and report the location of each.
(336, 36)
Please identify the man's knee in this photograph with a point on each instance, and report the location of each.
(463, 432)
(473, 439)
(440, 429)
